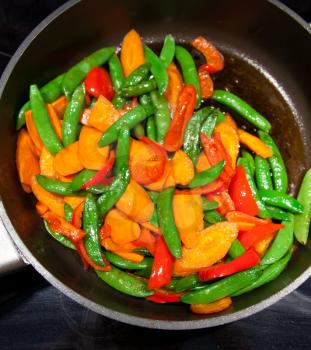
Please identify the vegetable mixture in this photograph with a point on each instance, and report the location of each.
(156, 188)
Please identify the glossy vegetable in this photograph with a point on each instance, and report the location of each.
(262, 172)
(207, 176)
(168, 50)
(55, 186)
(211, 308)
(98, 83)
(116, 73)
(281, 200)
(126, 264)
(139, 89)
(254, 144)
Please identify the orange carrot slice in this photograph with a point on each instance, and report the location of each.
(67, 161)
(183, 170)
(255, 144)
(211, 308)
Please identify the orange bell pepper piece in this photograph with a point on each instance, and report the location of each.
(211, 308)
(183, 169)
(245, 221)
(151, 227)
(174, 86)
(67, 161)
(255, 144)
(132, 52)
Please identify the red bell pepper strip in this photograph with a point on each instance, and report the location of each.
(185, 106)
(87, 261)
(161, 272)
(100, 176)
(206, 82)
(77, 216)
(216, 186)
(98, 82)
(251, 237)
(214, 58)
(225, 203)
(216, 152)
(165, 298)
(247, 260)
(241, 193)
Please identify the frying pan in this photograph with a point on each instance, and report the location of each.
(267, 50)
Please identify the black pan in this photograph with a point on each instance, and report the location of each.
(268, 53)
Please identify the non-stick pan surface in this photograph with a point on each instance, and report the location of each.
(268, 53)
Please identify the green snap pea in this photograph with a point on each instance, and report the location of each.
(262, 173)
(72, 115)
(281, 244)
(278, 169)
(139, 75)
(187, 283)
(81, 178)
(212, 217)
(157, 68)
(236, 249)
(108, 199)
(68, 211)
(50, 92)
(128, 120)
(118, 101)
(192, 133)
(281, 200)
(116, 72)
(60, 238)
(55, 186)
(209, 125)
(263, 212)
(42, 122)
(172, 284)
(269, 274)
(167, 222)
(251, 162)
(125, 282)
(123, 149)
(242, 108)
(302, 221)
(143, 272)
(151, 130)
(97, 189)
(189, 70)
(126, 264)
(139, 130)
(143, 251)
(222, 288)
(145, 101)
(162, 115)
(209, 205)
(140, 89)
(90, 226)
(207, 176)
(154, 220)
(74, 76)
(168, 50)
(278, 214)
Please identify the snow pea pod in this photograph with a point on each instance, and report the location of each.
(281, 244)
(50, 92)
(68, 211)
(70, 128)
(236, 249)
(123, 149)
(60, 238)
(154, 220)
(251, 162)
(207, 176)
(151, 130)
(116, 72)
(118, 101)
(262, 173)
(125, 282)
(97, 189)
(302, 221)
(281, 200)
(139, 75)
(187, 283)
(222, 288)
(90, 226)
(212, 217)
(81, 178)
(74, 76)
(162, 115)
(242, 108)
(279, 174)
(139, 130)
(209, 125)
(168, 50)
(157, 68)
(55, 186)
(139, 89)
(278, 214)
(269, 274)
(209, 205)
(167, 223)
(117, 261)
(42, 122)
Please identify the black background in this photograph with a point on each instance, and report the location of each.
(35, 315)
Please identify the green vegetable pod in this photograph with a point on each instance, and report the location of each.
(55, 186)
(281, 200)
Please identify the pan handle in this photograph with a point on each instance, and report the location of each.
(10, 258)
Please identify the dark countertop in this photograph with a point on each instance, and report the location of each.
(35, 315)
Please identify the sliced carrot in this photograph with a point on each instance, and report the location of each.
(132, 52)
(103, 114)
(41, 208)
(167, 179)
(202, 163)
(230, 121)
(60, 106)
(188, 215)
(123, 230)
(47, 163)
(26, 160)
(183, 169)
(146, 240)
(151, 227)
(67, 161)
(54, 202)
(91, 156)
(124, 251)
(254, 144)
(174, 86)
(244, 221)
(32, 130)
(135, 203)
(212, 245)
(74, 201)
(55, 121)
(230, 139)
(211, 308)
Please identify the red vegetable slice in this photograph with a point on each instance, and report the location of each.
(98, 82)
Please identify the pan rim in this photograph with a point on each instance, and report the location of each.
(98, 308)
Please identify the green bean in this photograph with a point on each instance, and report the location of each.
(116, 73)
(168, 50)
(139, 75)
(251, 162)
(212, 217)
(209, 205)
(126, 264)
(97, 189)
(139, 130)
(118, 101)
(207, 176)
(236, 249)
(123, 149)
(278, 214)
(281, 200)
(151, 128)
(68, 211)
(142, 251)
(241, 107)
(55, 186)
(210, 123)
(262, 172)
(187, 283)
(154, 220)
(81, 178)
(140, 89)
(60, 238)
